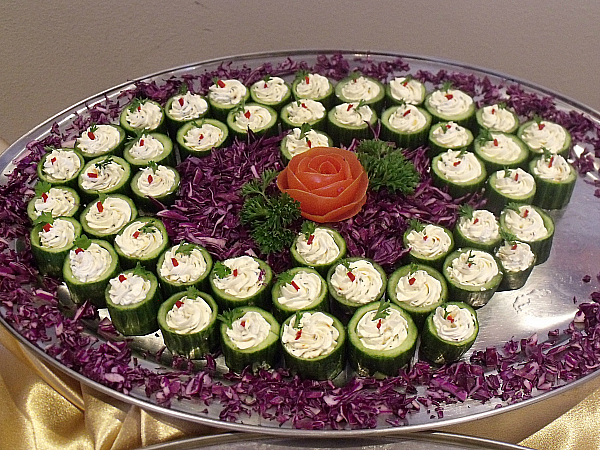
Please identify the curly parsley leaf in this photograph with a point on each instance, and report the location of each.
(228, 317)
(221, 270)
(82, 242)
(42, 187)
(44, 218)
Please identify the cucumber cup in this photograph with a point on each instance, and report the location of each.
(499, 150)
(461, 172)
(497, 117)
(155, 184)
(406, 125)
(252, 118)
(60, 167)
(516, 261)
(183, 108)
(320, 250)
(142, 240)
(59, 201)
(477, 229)
(554, 179)
(509, 186)
(454, 105)
(300, 140)
(273, 92)
(405, 89)
(199, 138)
(225, 95)
(299, 112)
(314, 87)
(105, 216)
(50, 243)
(444, 136)
(543, 135)
(428, 244)
(142, 115)
(104, 175)
(350, 121)
(358, 88)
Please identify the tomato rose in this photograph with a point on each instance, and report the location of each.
(330, 183)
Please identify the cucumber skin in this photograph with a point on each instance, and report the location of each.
(117, 150)
(324, 367)
(220, 112)
(564, 152)
(87, 195)
(323, 269)
(514, 280)
(72, 213)
(440, 351)
(109, 237)
(376, 103)
(435, 148)
(418, 314)
(492, 166)
(551, 194)
(455, 189)
(282, 312)
(541, 248)
(130, 131)
(169, 288)
(497, 201)
(185, 151)
(166, 159)
(241, 134)
(139, 319)
(268, 353)
(404, 139)
(145, 202)
(344, 134)
(275, 105)
(50, 262)
(368, 362)
(194, 345)
(437, 262)
(71, 182)
(149, 264)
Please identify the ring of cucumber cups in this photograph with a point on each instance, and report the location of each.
(518, 220)
(200, 137)
(147, 108)
(145, 193)
(299, 289)
(87, 253)
(185, 107)
(499, 150)
(405, 89)
(406, 125)
(260, 120)
(444, 136)
(417, 289)
(104, 175)
(445, 172)
(382, 338)
(157, 147)
(133, 300)
(300, 140)
(257, 93)
(43, 174)
(537, 136)
(308, 251)
(555, 180)
(293, 114)
(481, 275)
(220, 109)
(183, 266)
(303, 79)
(249, 337)
(105, 216)
(428, 244)
(141, 240)
(435, 101)
(358, 87)
(350, 121)
(95, 141)
(498, 119)
(63, 231)
(440, 341)
(354, 282)
(57, 197)
(302, 337)
(509, 186)
(516, 261)
(477, 229)
(255, 290)
(192, 339)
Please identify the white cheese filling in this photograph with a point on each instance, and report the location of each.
(526, 225)
(301, 292)
(407, 119)
(501, 148)
(147, 147)
(227, 92)
(548, 135)
(245, 280)
(555, 168)
(146, 116)
(515, 183)
(432, 241)
(450, 103)
(91, 264)
(387, 333)
(515, 257)
(359, 284)
(102, 139)
(321, 248)
(313, 86)
(459, 167)
(253, 117)
(453, 323)
(183, 267)
(249, 331)
(204, 137)
(410, 91)
(482, 227)
(128, 289)
(496, 118)
(451, 135)
(418, 289)
(315, 336)
(189, 315)
(296, 144)
(353, 115)
(115, 213)
(61, 165)
(473, 268)
(137, 243)
(272, 90)
(187, 107)
(102, 177)
(360, 88)
(304, 111)
(60, 234)
(156, 183)
(57, 201)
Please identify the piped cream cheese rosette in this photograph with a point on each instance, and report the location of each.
(147, 147)
(428, 244)
(51, 239)
(405, 124)
(104, 175)
(182, 266)
(314, 87)
(497, 117)
(356, 88)
(141, 240)
(477, 229)
(450, 135)
(252, 118)
(555, 181)
(299, 289)
(107, 215)
(60, 167)
(300, 140)
(517, 261)
(448, 104)
(542, 135)
(200, 137)
(100, 140)
(319, 248)
(142, 115)
(155, 185)
(406, 89)
(225, 95)
(184, 107)
(509, 186)
(303, 111)
(58, 201)
(460, 171)
(271, 91)
(350, 121)
(529, 224)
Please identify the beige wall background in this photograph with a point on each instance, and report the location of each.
(55, 53)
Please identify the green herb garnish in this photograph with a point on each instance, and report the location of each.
(228, 317)
(466, 210)
(308, 228)
(470, 258)
(185, 248)
(447, 85)
(547, 154)
(221, 270)
(105, 162)
(266, 78)
(285, 278)
(355, 75)
(44, 218)
(514, 206)
(135, 104)
(183, 88)
(192, 293)
(507, 236)
(297, 319)
(383, 310)
(485, 136)
(302, 74)
(413, 268)
(49, 148)
(42, 187)
(140, 270)
(148, 228)
(416, 225)
(508, 172)
(501, 105)
(82, 242)
(93, 127)
(538, 120)
(152, 165)
(135, 138)
(304, 129)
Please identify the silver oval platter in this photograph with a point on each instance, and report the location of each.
(528, 348)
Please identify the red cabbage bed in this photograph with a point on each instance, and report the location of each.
(206, 212)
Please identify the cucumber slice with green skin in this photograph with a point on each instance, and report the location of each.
(391, 100)
(514, 279)
(324, 367)
(442, 351)
(220, 110)
(262, 298)
(481, 125)
(130, 257)
(494, 164)
(185, 150)
(552, 194)
(463, 240)
(287, 156)
(317, 123)
(133, 131)
(69, 182)
(135, 319)
(475, 296)
(50, 260)
(318, 303)
(326, 100)
(376, 103)
(497, 200)
(192, 345)
(404, 139)
(82, 291)
(540, 247)
(173, 124)
(418, 313)
(170, 287)
(275, 104)
(299, 260)
(116, 150)
(166, 156)
(368, 361)
(344, 134)
(242, 133)
(455, 188)
(144, 201)
(465, 119)
(436, 261)
(104, 234)
(340, 305)
(120, 187)
(563, 151)
(33, 213)
(266, 353)
(435, 147)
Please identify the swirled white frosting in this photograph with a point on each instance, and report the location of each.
(554, 169)
(548, 135)
(102, 177)
(245, 278)
(304, 111)
(411, 91)
(182, 267)
(128, 289)
(313, 86)
(407, 118)
(90, 264)
(453, 323)
(459, 168)
(518, 184)
(147, 116)
(473, 268)
(146, 147)
(58, 202)
(232, 93)
(363, 286)
(61, 164)
(515, 257)
(451, 135)
(302, 293)
(360, 88)
(482, 227)
(501, 148)
(255, 117)
(296, 144)
(351, 114)
(450, 103)
(189, 315)
(155, 183)
(249, 330)
(498, 119)
(322, 248)
(273, 90)
(102, 139)
(432, 241)
(188, 106)
(383, 334)
(526, 225)
(418, 289)
(116, 212)
(203, 137)
(316, 336)
(60, 234)
(136, 243)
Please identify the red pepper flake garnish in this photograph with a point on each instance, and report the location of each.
(91, 135)
(247, 114)
(448, 126)
(425, 237)
(379, 324)
(493, 110)
(406, 113)
(541, 126)
(405, 83)
(201, 137)
(310, 239)
(551, 162)
(351, 276)
(525, 213)
(513, 247)
(298, 334)
(92, 175)
(100, 206)
(306, 79)
(235, 272)
(53, 160)
(496, 142)
(309, 143)
(243, 323)
(181, 101)
(450, 318)
(350, 106)
(412, 280)
(456, 163)
(78, 250)
(517, 176)
(150, 178)
(141, 142)
(449, 96)
(47, 227)
(179, 303)
(174, 262)
(304, 105)
(475, 221)
(44, 197)
(293, 283)
(136, 234)
(122, 278)
(139, 108)
(221, 84)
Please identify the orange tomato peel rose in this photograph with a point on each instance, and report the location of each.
(330, 183)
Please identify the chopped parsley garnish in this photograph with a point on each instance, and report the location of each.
(228, 317)
(185, 248)
(221, 270)
(507, 236)
(42, 187)
(140, 270)
(105, 162)
(44, 218)
(148, 227)
(308, 228)
(286, 278)
(383, 310)
(192, 293)
(416, 225)
(82, 242)
(466, 210)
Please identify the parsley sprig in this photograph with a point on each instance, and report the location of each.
(228, 317)
(466, 210)
(44, 218)
(42, 187)
(221, 270)
(383, 310)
